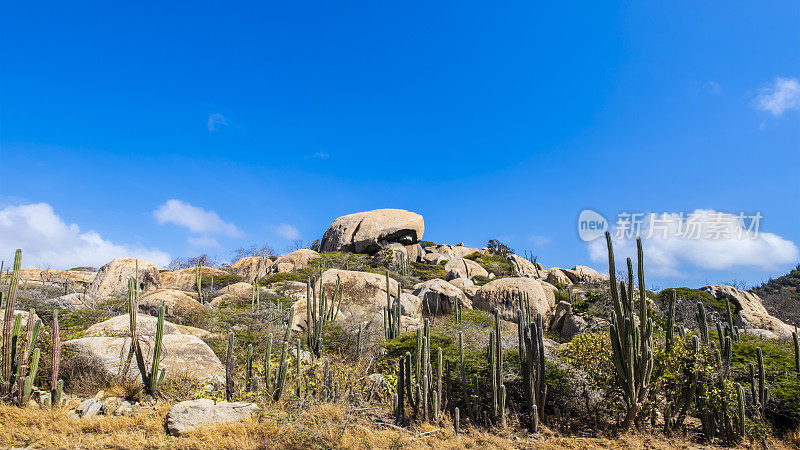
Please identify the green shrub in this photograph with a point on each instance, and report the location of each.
(427, 272)
(494, 263)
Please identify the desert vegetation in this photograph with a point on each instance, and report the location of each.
(370, 350)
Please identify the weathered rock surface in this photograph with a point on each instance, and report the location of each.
(439, 297)
(190, 415)
(751, 316)
(583, 274)
(525, 267)
(251, 267)
(364, 232)
(451, 251)
(107, 345)
(502, 294)
(363, 301)
(175, 302)
(464, 268)
(111, 280)
(555, 276)
(77, 278)
(565, 322)
(186, 279)
(298, 259)
(461, 283)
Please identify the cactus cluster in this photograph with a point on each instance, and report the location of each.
(423, 390)
(631, 343)
(20, 355)
(391, 313)
(319, 310)
(532, 364)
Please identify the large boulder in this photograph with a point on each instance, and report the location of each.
(583, 274)
(176, 302)
(464, 268)
(190, 415)
(251, 267)
(365, 232)
(554, 276)
(80, 279)
(363, 300)
(524, 267)
(504, 294)
(439, 297)
(107, 345)
(298, 259)
(186, 279)
(111, 280)
(451, 251)
(565, 322)
(751, 316)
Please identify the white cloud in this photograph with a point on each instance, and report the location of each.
(712, 87)
(287, 231)
(539, 240)
(47, 241)
(321, 155)
(781, 95)
(671, 250)
(215, 121)
(195, 219)
(203, 242)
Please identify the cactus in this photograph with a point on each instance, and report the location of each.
(283, 368)
(760, 392)
(670, 336)
(702, 323)
(152, 379)
(297, 378)
(55, 393)
(268, 366)
(796, 350)
(249, 369)
(532, 362)
(391, 314)
(741, 415)
(28, 385)
(11, 297)
(457, 420)
(502, 405)
(534, 419)
(734, 332)
(457, 309)
(318, 312)
(400, 403)
(632, 347)
(288, 333)
(198, 275)
(230, 366)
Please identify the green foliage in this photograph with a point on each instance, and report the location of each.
(692, 296)
(499, 248)
(477, 317)
(221, 281)
(590, 354)
(495, 263)
(427, 272)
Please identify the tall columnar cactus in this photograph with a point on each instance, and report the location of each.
(358, 341)
(249, 369)
(198, 275)
(457, 309)
(796, 350)
(741, 410)
(153, 378)
(670, 336)
(24, 362)
(532, 363)
(283, 369)
(230, 366)
(631, 345)
(391, 313)
(399, 413)
(734, 332)
(760, 391)
(11, 297)
(318, 312)
(702, 323)
(55, 383)
(28, 383)
(268, 366)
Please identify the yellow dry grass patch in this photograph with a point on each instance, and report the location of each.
(324, 426)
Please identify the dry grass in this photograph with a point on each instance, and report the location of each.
(324, 426)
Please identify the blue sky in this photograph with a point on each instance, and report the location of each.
(266, 121)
